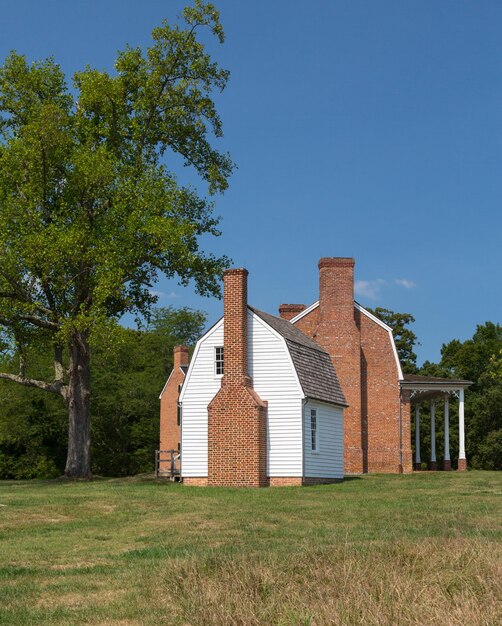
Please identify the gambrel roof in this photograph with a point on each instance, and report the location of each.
(312, 363)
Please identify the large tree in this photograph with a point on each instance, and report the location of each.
(90, 210)
(478, 359)
(125, 402)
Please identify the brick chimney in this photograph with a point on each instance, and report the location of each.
(180, 357)
(235, 342)
(237, 426)
(339, 334)
(170, 432)
(288, 311)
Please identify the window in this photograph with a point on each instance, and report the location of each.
(179, 405)
(313, 430)
(218, 361)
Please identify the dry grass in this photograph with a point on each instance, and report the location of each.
(380, 550)
(457, 582)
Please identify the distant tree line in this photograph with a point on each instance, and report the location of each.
(478, 359)
(127, 381)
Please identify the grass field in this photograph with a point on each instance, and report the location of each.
(391, 550)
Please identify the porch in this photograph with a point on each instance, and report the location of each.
(429, 389)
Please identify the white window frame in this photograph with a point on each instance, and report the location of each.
(314, 432)
(216, 361)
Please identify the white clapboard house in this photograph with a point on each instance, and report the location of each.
(260, 402)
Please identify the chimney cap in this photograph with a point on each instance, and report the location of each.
(292, 307)
(235, 271)
(180, 349)
(336, 261)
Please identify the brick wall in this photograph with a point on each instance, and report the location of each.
(365, 364)
(286, 481)
(237, 417)
(170, 434)
(406, 435)
(339, 334)
(380, 406)
(191, 481)
(308, 323)
(297, 481)
(288, 311)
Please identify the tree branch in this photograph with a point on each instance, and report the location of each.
(21, 294)
(31, 319)
(56, 387)
(163, 85)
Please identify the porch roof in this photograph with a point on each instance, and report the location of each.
(429, 387)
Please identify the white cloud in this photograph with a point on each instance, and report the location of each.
(159, 294)
(404, 282)
(163, 295)
(369, 288)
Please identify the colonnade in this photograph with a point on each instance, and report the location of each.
(462, 461)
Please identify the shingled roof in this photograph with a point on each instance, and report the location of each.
(313, 365)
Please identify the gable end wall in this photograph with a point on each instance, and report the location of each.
(380, 401)
(170, 435)
(379, 393)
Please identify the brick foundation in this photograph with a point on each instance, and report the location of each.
(321, 481)
(462, 465)
(195, 482)
(432, 466)
(285, 481)
(447, 466)
(273, 481)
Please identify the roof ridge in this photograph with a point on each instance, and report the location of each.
(293, 334)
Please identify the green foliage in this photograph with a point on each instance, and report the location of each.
(124, 407)
(404, 337)
(127, 384)
(489, 453)
(475, 359)
(91, 212)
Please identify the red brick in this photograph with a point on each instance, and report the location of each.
(237, 417)
(195, 481)
(288, 311)
(170, 435)
(462, 465)
(365, 363)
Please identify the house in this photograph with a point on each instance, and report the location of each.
(377, 420)
(260, 403)
(379, 397)
(262, 400)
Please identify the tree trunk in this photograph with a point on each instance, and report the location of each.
(78, 461)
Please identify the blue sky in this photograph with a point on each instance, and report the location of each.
(370, 129)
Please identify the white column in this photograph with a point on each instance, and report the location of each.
(417, 434)
(447, 428)
(433, 431)
(461, 427)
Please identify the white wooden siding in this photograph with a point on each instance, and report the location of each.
(275, 380)
(328, 461)
(201, 385)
